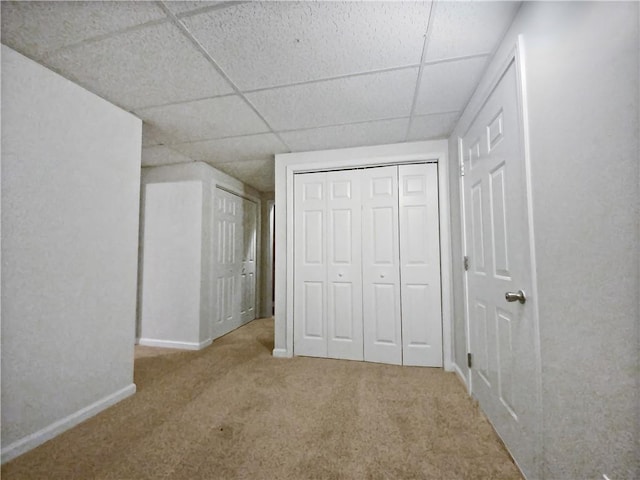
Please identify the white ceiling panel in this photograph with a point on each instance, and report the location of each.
(38, 28)
(468, 28)
(249, 147)
(161, 155)
(446, 87)
(152, 136)
(431, 127)
(257, 173)
(345, 100)
(261, 44)
(149, 66)
(205, 119)
(354, 135)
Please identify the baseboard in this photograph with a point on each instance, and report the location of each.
(463, 379)
(30, 442)
(154, 342)
(281, 353)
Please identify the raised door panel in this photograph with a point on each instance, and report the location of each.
(310, 265)
(420, 265)
(344, 269)
(380, 265)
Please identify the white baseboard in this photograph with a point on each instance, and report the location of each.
(463, 379)
(154, 342)
(281, 353)
(47, 433)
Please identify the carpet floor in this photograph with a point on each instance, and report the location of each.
(232, 411)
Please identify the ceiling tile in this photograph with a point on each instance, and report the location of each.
(344, 100)
(468, 28)
(431, 127)
(161, 155)
(37, 28)
(260, 44)
(249, 147)
(149, 66)
(152, 136)
(260, 174)
(343, 136)
(205, 119)
(447, 86)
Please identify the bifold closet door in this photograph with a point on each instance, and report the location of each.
(327, 290)
(420, 265)
(228, 226)
(381, 266)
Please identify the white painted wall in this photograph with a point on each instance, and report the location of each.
(172, 238)
(288, 164)
(195, 296)
(70, 192)
(582, 75)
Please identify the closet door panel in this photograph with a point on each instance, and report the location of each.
(420, 265)
(248, 273)
(344, 268)
(380, 265)
(310, 292)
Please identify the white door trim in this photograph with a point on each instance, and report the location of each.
(515, 54)
(289, 164)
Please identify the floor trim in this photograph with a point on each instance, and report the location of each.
(33, 440)
(154, 342)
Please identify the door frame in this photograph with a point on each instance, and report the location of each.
(287, 165)
(516, 55)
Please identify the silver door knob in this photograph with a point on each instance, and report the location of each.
(340, 275)
(518, 296)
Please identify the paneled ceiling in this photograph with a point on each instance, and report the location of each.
(233, 83)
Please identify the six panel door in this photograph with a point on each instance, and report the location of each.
(367, 265)
(504, 377)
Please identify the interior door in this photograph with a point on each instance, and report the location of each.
(504, 375)
(227, 311)
(380, 265)
(420, 265)
(344, 267)
(309, 303)
(248, 261)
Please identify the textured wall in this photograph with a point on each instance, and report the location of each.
(70, 187)
(582, 78)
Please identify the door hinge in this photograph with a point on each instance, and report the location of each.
(466, 263)
(469, 360)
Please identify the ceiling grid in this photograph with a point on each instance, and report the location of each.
(233, 83)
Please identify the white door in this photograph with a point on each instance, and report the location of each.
(248, 265)
(381, 266)
(227, 220)
(344, 268)
(420, 265)
(328, 288)
(503, 334)
(309, 304)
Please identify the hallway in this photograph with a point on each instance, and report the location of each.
(233, 411)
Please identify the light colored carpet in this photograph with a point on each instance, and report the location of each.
(233, 411)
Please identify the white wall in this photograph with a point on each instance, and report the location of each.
(172, 239)
(582, 72)
(70, 192)
(201, 292)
